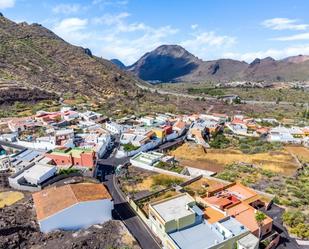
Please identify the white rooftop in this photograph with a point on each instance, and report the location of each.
(249, 241)
(38, 170)
(175, 208)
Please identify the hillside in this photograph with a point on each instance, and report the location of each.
(118, 63)
(172, 63)
(165, 63)
(34, 59)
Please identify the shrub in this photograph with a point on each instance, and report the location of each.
(219, 142)
(129, 147)
(166, 181)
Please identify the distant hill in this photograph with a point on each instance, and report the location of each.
(33, 57)
(165, 63)
(172, 63)
(118, 63)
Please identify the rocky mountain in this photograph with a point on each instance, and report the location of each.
(165, 63)
(172, 63)
(118, 63)
(33, 57)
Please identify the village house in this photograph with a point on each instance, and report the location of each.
(114, 128)
(90, 116)
(239, 202)
(146, 160)
(72, 207)
(32, 169)
(76, 157)
(180, 224)
(179, 127)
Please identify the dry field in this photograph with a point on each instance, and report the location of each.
(301, 152)
(281, 162)
(9, 198)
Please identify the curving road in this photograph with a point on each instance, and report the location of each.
(252, 102)
(122, 210)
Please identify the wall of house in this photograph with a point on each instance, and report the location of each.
(81, 215)
(230, 243)
(61, 159)
(41, 145)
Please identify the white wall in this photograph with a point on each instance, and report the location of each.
(81, 215)
(37, 145)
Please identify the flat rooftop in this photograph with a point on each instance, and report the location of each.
(212, 215)
(241, 191)
(146, 157)
(38, 170)
(198, 237)
(174, 208)
(234, 226)
(245, 214)
(75, 152)
(28, 155)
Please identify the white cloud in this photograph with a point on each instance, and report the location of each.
(4, 4)
(66, 8)
(284, 24)
(208, 39)
(109, 19)
(206, 44)
(298, 37)
(72, 29)
(194, 26)
(130, 50)
(275, 53)
(110, 2)
(71, 24)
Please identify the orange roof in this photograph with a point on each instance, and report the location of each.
(245, 214)
(212, 215)
(241, 191)
(180, 125)
(52, 200)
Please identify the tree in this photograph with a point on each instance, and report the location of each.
(260, 217)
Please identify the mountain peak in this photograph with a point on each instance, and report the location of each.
(173, 60)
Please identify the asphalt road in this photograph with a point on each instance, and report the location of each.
(252, 102)
(285, 240)
(123, 211)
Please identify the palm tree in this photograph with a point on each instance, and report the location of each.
(260, 217)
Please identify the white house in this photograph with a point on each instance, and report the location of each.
(90, 116)
(39, 173)
(147, 120)
(114, 128)
(283, 135)
(72, 207)
(146, 160)
(32, 174)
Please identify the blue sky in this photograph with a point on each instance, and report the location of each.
(210, 29)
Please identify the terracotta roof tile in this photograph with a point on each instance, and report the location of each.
(52, 200)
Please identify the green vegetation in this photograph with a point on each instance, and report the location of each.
(219, 142)
(206, 90)
(260, 217)
(68, 171)
(169, 166)
(166, 181)
(19, 109)
(129, 147)
(256, 145)
(297, 223)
